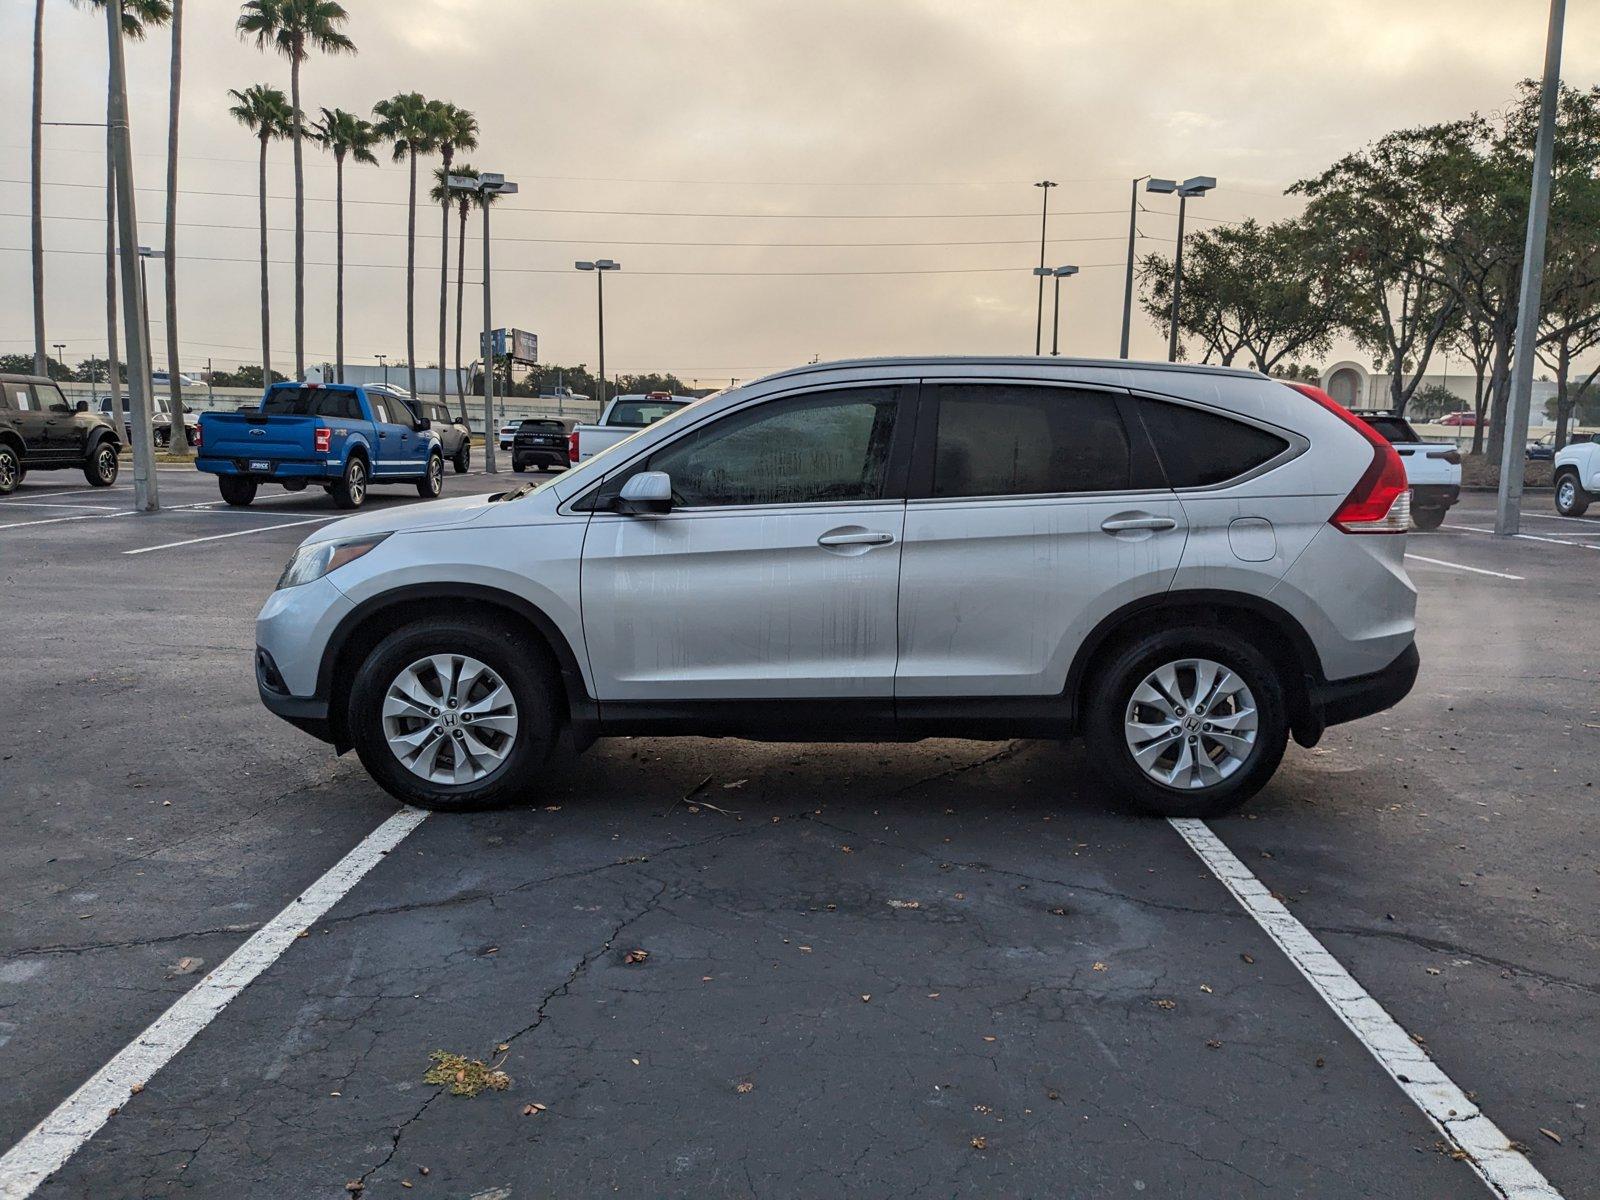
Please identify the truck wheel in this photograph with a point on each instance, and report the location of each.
(432, 481)
(10, 470)
(294, 485)
(351, 490)
(1427, 518)
(462, 462)
(1186, 722)
(455, 714)
(1571, 499)
(237, 490)
(518, 466)
(101, 469)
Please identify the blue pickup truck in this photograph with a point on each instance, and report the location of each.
(337, 435)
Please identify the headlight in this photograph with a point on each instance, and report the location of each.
(312, 562)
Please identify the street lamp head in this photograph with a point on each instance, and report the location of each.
(1065, 272)
(461, 183)
(1042, 271)
(1164, 186)
(607, 264)
(1046, 183)
(584, 266)
(1199, 185)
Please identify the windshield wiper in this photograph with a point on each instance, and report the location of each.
(514, 494)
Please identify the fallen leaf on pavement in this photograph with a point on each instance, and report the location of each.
(905, 904)
(464, 1076)
(1551, 1134)
(980, 1143)
(1169, 1005)
(635, 956)
(1100, 966)
(745, 1088)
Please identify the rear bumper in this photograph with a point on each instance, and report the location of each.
(1435, 495)
(281, 469)
(1333, 702)
(544, 456)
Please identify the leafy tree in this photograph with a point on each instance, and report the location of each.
(409, 123)
(266, 113)
(247, 376)
(346, 135)
(1433, 400)
(294, 28)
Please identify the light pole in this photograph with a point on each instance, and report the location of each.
(1059, 274)
(1197, 185)
(600, 266)
(1513, 453)
(1044, 185)
(1150, 185)
(489, 184)
(61, 353)
(145, 255)
(383, 361)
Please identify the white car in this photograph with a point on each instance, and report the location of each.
(1183, 564)
(508, 433)
(1576, 470)
(1433, 469)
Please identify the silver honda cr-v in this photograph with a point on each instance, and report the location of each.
(1185, 565)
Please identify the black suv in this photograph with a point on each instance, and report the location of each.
(40, 431)
(539, 442)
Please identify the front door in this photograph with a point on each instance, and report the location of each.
(1035, 512)
(35, 422)
(775, 574)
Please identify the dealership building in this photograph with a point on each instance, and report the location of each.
(1356, 386)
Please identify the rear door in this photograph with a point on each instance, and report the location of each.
(1035, 511)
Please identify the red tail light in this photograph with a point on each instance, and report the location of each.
(1381, 500)
(197, 431)
(572, 446)
(324, 439)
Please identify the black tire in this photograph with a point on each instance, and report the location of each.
(100, 469)
(1571, 499)
(1427, 518)
(1111, 699)
(10, 469)
(351, 490)
(237, 490)
(462, 462)
(162, 439)
(506, 650)
(518, 467)
(432, 481)
(294, 485)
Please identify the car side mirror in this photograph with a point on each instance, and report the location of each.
(646, 492)
(422, 425)
(82, 406)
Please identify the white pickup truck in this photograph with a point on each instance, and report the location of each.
(1577, 476)
(1433, 469)
(623, 416)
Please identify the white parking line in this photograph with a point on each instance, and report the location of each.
(1526, 537)
(1463, 1124)
(58, 520)
(217, 537)
(81, 1115)
(32, 503)
(83, 491)
(1439, 562)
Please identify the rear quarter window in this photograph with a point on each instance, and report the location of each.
(1198, 448)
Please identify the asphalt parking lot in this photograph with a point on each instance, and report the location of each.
(945, 968)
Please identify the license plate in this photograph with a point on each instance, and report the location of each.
(260, 464)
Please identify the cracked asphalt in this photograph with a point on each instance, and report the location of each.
(938, 969)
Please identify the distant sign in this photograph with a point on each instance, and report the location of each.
(520, 345)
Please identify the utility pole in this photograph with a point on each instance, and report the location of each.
(1163, 186)
(136, 328)
(1513, 454)
(1044, 222)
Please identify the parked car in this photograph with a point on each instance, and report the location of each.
(1544, 449)
(508, 431)
(623, 416)
(160, 419)
(1433, 469)
(341, 436)
(1468, 419)
(455, 437)
(40, 431)
(1576, 472)
(540, 442)
(161, 379)
(1184, 564)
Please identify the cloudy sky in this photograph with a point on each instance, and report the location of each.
(779, 180)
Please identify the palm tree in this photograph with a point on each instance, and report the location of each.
(457, 129)
(266, 113)
(343, 133)
(410, 124)
(177, 441)
(137, 17)
(295, 28)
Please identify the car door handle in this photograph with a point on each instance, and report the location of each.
(855, 538)
(1124, 524)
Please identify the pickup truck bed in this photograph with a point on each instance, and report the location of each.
(623, 416)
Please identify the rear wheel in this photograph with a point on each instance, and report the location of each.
(1571, 499)
(101, 469)
(518, 466)
(10, 470)
(237, 490)
(1427, 518)
(455, 715)
(351, 490)
(294, 485)
(432, 481)
(462, 462)
(1187, 723)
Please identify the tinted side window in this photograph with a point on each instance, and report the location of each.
(23, 396)
(802, 450)
(1198, 448)
(1013, 440)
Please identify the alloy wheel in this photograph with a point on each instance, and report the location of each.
(450, 718)
(1191, 723)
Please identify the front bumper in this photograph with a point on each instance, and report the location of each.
(1333, 702)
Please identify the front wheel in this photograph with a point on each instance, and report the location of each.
(351, 490)
(1187, 723)
(462, 462)
(1427, 518)
(1571, 499)
(10, 470)
(432, 481)
(101, 469)
(237, 490)
(454, 714)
